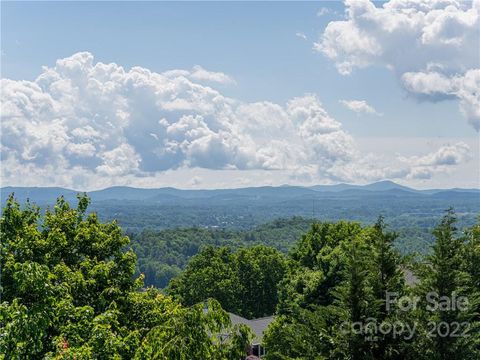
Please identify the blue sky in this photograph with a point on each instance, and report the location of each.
(269, 51)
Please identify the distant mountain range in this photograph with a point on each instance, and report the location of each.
(42, 195)
(376, 186)
(244, 208)
(385, 185)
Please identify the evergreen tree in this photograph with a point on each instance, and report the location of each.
(354, 304)
(325, 292)
(387, 280)
(471, 265)
(446, 327)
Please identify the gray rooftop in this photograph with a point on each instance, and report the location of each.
(257, 325)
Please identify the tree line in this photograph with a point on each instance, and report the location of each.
(163, 254)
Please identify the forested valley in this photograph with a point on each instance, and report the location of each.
(74, 286)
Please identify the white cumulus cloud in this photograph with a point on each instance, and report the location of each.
(439, 161)
(436, 86)
(432, 46)
(87, 124)
(199, 73)
(359, 107)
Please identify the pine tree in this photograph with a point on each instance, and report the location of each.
(443, 278)
(351, 307)
(471, 265)
(387, 278)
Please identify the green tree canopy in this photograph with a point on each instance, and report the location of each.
(69, 292)
(338, 276)
(244, 282)
(449, 273)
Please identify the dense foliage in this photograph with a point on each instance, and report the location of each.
(70, 289)
(334, 298)
(412, 216)
(244, 282)
(68, 292)
(162, 255)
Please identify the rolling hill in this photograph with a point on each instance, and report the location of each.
(244, 208)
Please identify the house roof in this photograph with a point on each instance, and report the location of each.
(257, 325)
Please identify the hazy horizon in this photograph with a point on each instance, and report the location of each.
(243, 187)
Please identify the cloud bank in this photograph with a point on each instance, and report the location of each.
(426, 166)
(82, 123)
(432, 46)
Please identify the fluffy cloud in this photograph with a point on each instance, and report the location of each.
(359, 106)
(435, 86)
(85, 124)
(200, 74)
(112, 122)
(424, 167)
(432, 46)
(325, 143)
